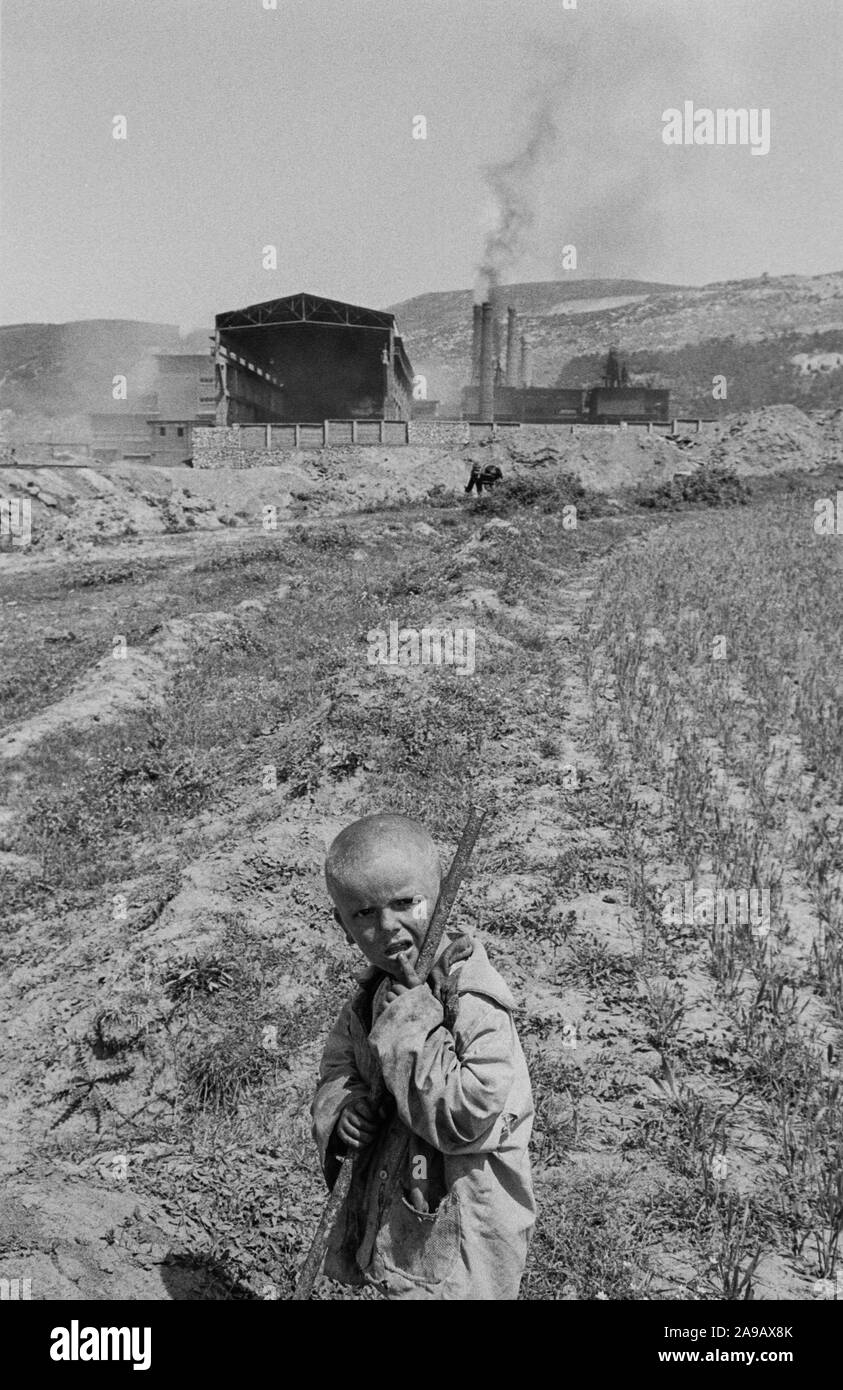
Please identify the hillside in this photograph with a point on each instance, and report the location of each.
(746, 330)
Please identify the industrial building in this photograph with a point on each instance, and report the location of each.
(304, 358)
(157, 426)
(120, 434)
(184, 387)
(498, 392)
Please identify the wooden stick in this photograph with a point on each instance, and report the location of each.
(398, 1136)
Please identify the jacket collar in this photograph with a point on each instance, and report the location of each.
(476, 975)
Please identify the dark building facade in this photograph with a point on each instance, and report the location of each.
(305, 358)
(535, 404)
(633, 403)
(498, 392)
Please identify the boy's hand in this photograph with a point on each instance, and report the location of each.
(409, 980)
(459, 950)
(358, 1123)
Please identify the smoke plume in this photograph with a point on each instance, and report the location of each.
(511, 185)
(588, 168)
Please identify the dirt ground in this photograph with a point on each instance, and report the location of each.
(189, 716)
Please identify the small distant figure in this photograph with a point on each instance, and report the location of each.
(483, 473)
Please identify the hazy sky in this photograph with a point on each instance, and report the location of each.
(250, 126)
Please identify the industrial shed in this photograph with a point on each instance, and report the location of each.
(305, 358)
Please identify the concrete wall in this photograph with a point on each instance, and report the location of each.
(443, 434)
(253, 446)
(246, 446)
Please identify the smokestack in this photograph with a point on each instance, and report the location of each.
(497, 330)
(526, 364)
(486, 409)
(511, 365)
(475, 345)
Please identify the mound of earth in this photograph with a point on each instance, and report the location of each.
(73, 507)
(125, 679)
(773, 440)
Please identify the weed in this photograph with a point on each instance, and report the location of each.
(590, 1242)
(87, 1095)
(736, 1248)
(595, 965)
(558, 1090)
(221, 1070)
(711, 486)
(665, 1007)
(198, 974)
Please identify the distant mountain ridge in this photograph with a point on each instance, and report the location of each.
(677, 333)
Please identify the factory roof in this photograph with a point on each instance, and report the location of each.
(304, 308)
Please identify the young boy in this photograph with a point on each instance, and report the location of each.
(460, 1222)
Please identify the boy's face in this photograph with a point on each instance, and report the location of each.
(385, 907)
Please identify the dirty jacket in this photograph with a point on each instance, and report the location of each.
(465, 1097)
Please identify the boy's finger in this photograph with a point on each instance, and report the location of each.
(409, 978)
(365, 1127)
(361, 1125)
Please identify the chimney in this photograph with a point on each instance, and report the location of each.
(497, 329)
(511, 365)
(475, 345)
(486, 410)
(526, 364)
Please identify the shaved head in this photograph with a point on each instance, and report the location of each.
(381, 837)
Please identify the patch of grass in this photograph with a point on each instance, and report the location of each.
(594, 964)
(665, 1009)
(559, 1087)
(93, 788)
(547, 492)
(322, 540)
(590, 1242)
(737, 1245)
(222, 1068)
(709, 486)
(199, 974)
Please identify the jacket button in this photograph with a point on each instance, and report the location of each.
(383, 1175)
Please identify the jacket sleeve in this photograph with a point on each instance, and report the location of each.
(450, 1090)
(339, 1083)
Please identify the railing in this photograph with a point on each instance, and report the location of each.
(316, 434)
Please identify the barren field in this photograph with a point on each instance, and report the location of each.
(656, 708)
